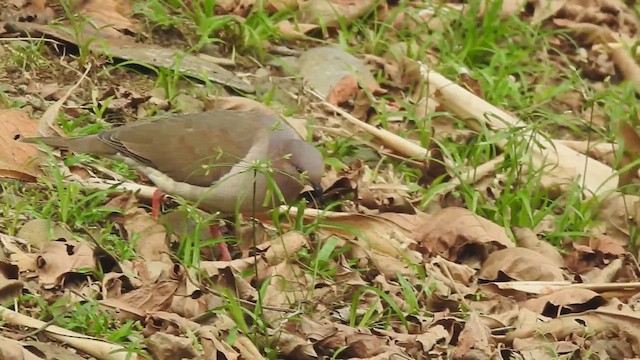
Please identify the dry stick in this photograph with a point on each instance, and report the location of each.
(89, 345)
(389, 139)
(596, 177)
(408, 149)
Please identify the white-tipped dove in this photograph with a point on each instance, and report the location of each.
(219, 159)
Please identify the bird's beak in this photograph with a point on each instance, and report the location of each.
(318, 192)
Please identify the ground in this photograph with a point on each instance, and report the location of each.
(479, 191)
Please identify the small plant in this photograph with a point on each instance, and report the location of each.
(28, 55)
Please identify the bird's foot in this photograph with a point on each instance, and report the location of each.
(222, 247)
(156, 202)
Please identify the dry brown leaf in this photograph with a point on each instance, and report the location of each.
(164, 346)
(153, 297)
(18, 160)
(520, 264)
(386, 233)
(109, 16)
(543, 9)
(619, 212)
(526, 238)
(280, 5)
(15, 248)
(565, 301)
(328, 12)
(607, 246)
(51, 351)
(613, 320)
(458, 234)
(37, 12)
(475, 340)
(59, 258)
(38, 232)
(151, 243)
(297, 31)
(539, 349)
(10, 286)
(12, 349)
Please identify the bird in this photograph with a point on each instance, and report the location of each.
(225, 161)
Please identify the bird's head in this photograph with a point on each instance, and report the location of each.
(303, 161)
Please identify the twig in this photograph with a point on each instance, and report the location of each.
(92, 346)
(389, 139)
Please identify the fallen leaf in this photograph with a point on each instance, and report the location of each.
(38, 232)
(520, 264)
(59, 258)
(109, 16)
(459, 235)
(565, 301)
(166, 346)
(544, 9)
(18, 160)
(297, 31)
(329, 12)
(475, 339)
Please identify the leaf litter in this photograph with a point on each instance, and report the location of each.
(375, 277)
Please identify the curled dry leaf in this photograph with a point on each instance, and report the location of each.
(565, 301)
(520, 264)
(475, 340)
(458, 234)
(109, 16)
(60, 258)
(18, 160)
(10, 286)
(620, 212)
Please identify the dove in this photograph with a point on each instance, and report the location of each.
(223, 160)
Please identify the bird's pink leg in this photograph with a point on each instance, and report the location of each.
(222, 247)
(156, 203)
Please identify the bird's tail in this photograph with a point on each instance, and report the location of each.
(53, 141)
(80, 144)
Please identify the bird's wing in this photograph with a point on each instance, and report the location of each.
(193, 148)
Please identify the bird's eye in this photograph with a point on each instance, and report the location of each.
(299, 169)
